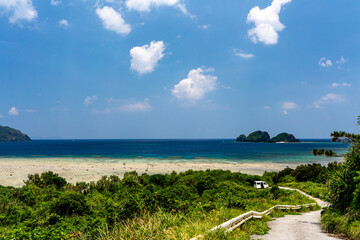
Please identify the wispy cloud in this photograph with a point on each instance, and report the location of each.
(30, 110)
(287, 106)
(205, 26)
(55, 2)
(241, 53)
(13, 111)
(328, 63)
(184, 10)
(325, 63)
(328, 99)
(344, 84)
(90, 100)
(143, 106)
(121, 105)
(64, 23)
(341, 61)
(146, 5)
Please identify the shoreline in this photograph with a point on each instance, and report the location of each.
(13, 171)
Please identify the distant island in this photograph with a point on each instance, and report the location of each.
(262, 136)
(11, 134)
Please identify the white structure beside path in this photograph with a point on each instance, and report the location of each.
(319, 201)
(291, 227)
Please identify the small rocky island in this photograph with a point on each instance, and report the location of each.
(284, 137)
(264, 137)
(11, 134)
(257, 136)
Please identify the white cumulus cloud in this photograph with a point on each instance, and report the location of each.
(267, 22)
(241, 53)
(64, 23)
(144, 59)
(90, 100)
(13, 111)
(341, 84)
(18, 10)
(113, 21)
(325, 63)
(195, 86)
(328, 98)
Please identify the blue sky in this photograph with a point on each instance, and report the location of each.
(179, 68)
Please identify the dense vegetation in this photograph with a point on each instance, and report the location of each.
(344, 191)
(327, 153)
(337, 183)
(262, 136)
(170, 206)
(304, 173)
(257, 136)
(284, 137)
(11, 134)
(310, 178)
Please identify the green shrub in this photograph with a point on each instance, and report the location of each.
(70, 203)
(348, 224)
(46, 179)
(275, 191)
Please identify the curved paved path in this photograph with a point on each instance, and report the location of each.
(297, 227)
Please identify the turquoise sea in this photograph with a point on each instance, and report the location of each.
(214, 150)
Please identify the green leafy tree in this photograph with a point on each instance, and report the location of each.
(315, 152)
(345, 182)
(70, 203)
(46, 179)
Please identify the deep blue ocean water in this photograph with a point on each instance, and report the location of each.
(171, 150)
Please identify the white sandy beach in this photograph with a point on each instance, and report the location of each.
(13, 171)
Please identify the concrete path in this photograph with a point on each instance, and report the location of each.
(298, 227)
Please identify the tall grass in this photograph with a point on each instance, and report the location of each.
(177, 225)
(345, 224)
(163, 225)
